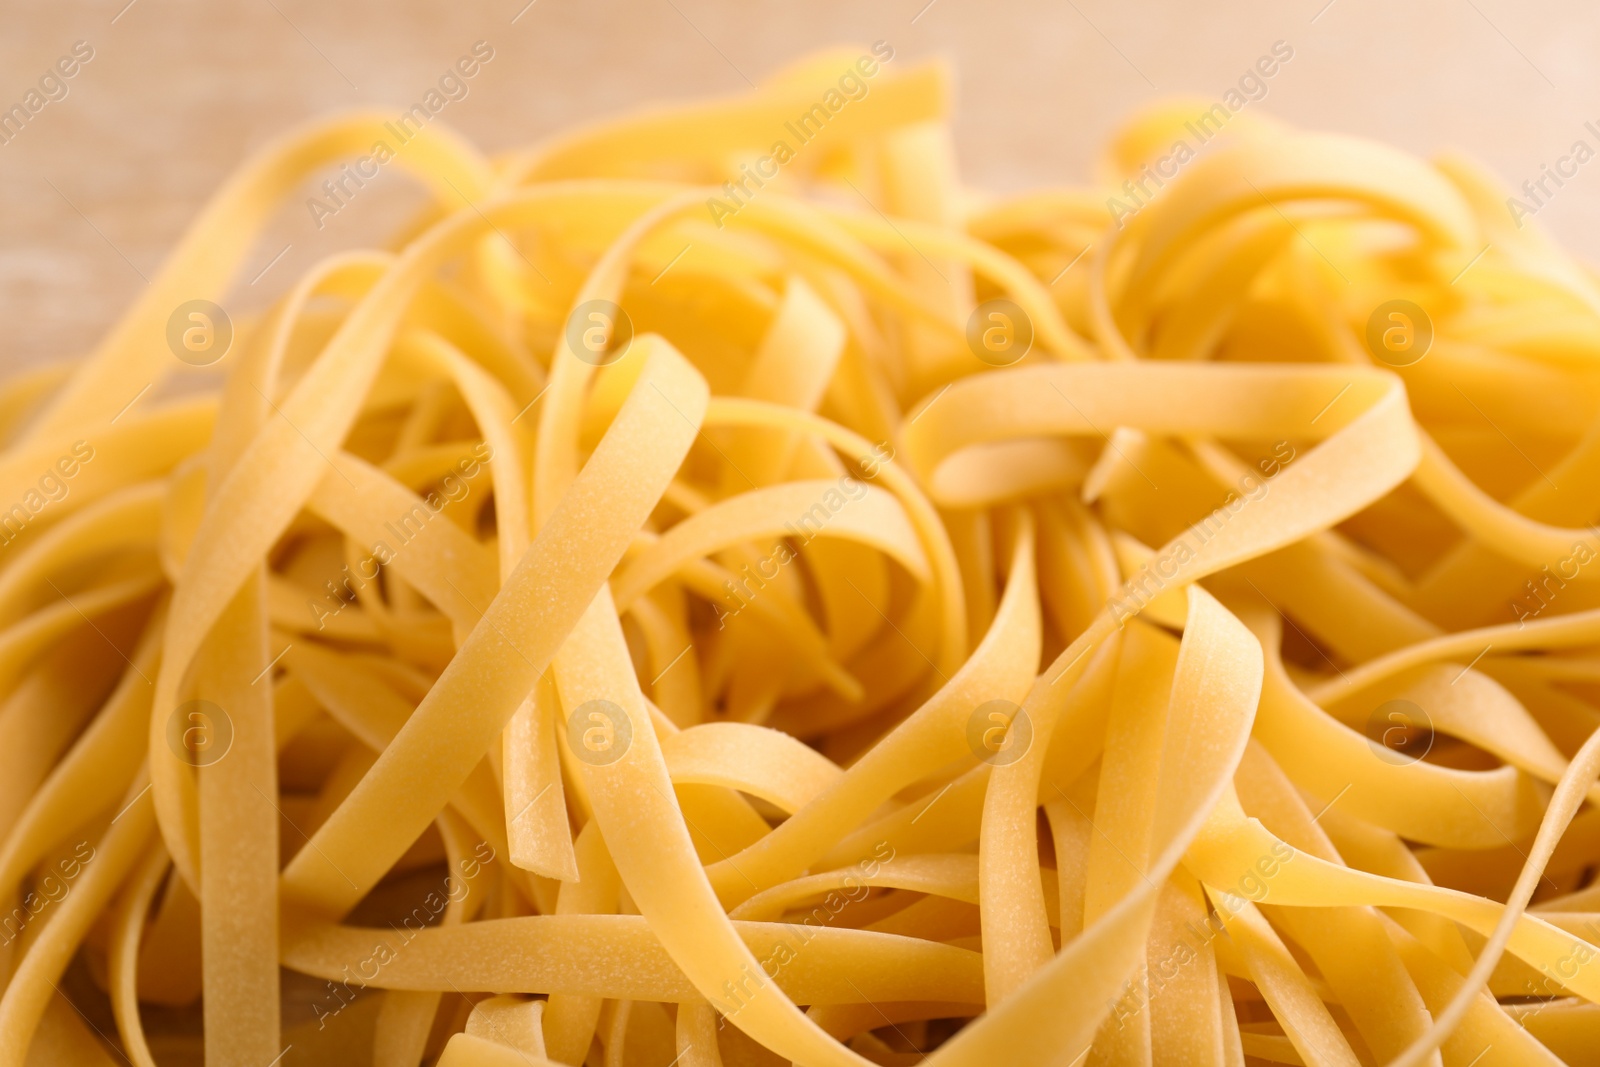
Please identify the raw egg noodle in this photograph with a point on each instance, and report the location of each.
(640, 616)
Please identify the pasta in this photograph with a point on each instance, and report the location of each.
(715, 590)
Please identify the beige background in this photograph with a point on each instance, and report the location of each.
(99, 185)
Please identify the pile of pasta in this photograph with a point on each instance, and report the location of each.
(713, 590)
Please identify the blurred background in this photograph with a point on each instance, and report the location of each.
(101, 182)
